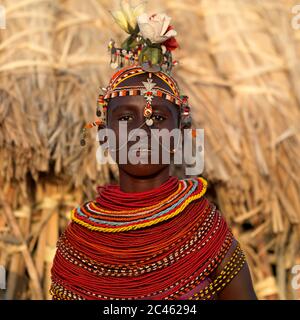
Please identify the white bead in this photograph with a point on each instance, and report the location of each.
(149, 122)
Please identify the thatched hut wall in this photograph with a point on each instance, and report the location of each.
(240, 66)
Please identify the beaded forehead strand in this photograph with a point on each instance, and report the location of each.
(148, 94)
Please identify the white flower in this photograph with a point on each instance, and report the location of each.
(154, 27)
(126, 16)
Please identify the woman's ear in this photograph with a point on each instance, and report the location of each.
(185, 122)
(185, 115)
(101, 142)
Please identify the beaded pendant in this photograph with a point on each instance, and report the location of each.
(149, 92)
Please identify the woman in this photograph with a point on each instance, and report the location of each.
(153, 236)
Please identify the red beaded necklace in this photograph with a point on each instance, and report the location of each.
(158, 262)
(112, 198)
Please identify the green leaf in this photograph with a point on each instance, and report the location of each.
(152, 54)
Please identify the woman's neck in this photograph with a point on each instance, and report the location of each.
(129, 183)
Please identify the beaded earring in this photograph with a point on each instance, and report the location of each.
(101, 108)
(185, 116)
(89, 125)
(101, 111)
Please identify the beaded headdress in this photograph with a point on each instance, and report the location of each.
(147, 50)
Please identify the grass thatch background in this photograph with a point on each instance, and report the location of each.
(240, 65)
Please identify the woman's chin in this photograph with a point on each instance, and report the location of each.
(142, 169)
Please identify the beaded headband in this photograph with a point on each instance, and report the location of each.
(129, 72)
(142, 52)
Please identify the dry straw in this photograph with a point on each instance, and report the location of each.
(239, 64)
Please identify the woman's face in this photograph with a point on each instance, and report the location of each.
(129, 109)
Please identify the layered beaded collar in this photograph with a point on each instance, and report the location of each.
(112, 213)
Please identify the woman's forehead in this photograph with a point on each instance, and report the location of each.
(138, 102)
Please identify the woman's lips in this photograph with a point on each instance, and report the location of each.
(140, 151)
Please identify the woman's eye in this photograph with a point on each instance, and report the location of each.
(125, 118)
(158, 117)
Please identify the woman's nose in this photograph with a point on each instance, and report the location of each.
(142, 123)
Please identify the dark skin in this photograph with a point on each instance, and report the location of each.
(143, 177)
